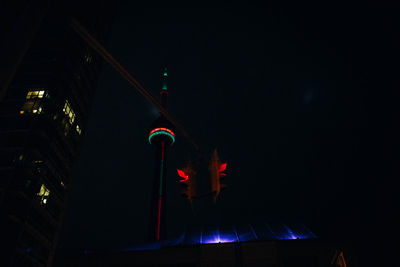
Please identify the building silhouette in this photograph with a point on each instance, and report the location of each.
(48, 76)
(243, 245)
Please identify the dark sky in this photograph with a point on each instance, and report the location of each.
(302, 103)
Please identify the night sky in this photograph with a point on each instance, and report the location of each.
(302, 103)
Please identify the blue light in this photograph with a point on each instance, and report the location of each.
(218, 239)
(213, 237)
(242, 233)
(290, 235)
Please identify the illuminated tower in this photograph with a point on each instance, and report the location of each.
(161, 136)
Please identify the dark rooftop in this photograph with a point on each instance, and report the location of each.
(240, 233)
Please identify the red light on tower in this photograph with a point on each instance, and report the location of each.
(216, 168)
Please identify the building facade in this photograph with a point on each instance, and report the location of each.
(44, 107)
(278, 253)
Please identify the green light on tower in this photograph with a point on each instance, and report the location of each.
(165, 74)
(162, 132)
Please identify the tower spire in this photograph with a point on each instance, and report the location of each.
(164, 89)
(165, 76)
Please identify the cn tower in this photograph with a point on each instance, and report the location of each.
(161, 136)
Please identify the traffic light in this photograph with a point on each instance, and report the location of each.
(188, 182)
(216, 168)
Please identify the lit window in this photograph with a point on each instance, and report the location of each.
(31, 106)
(35, 94)
(43, 194)
(78, 129)
(62, 184)
(69, 112)
(88, 58)
(38, 111)
(33, 102)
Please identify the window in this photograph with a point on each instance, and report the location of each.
(69, 112)
(44, 193)
(66, 126)
(88, 58)
(33, 102)
(31, 107)
(35, 94)
(78, 129)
